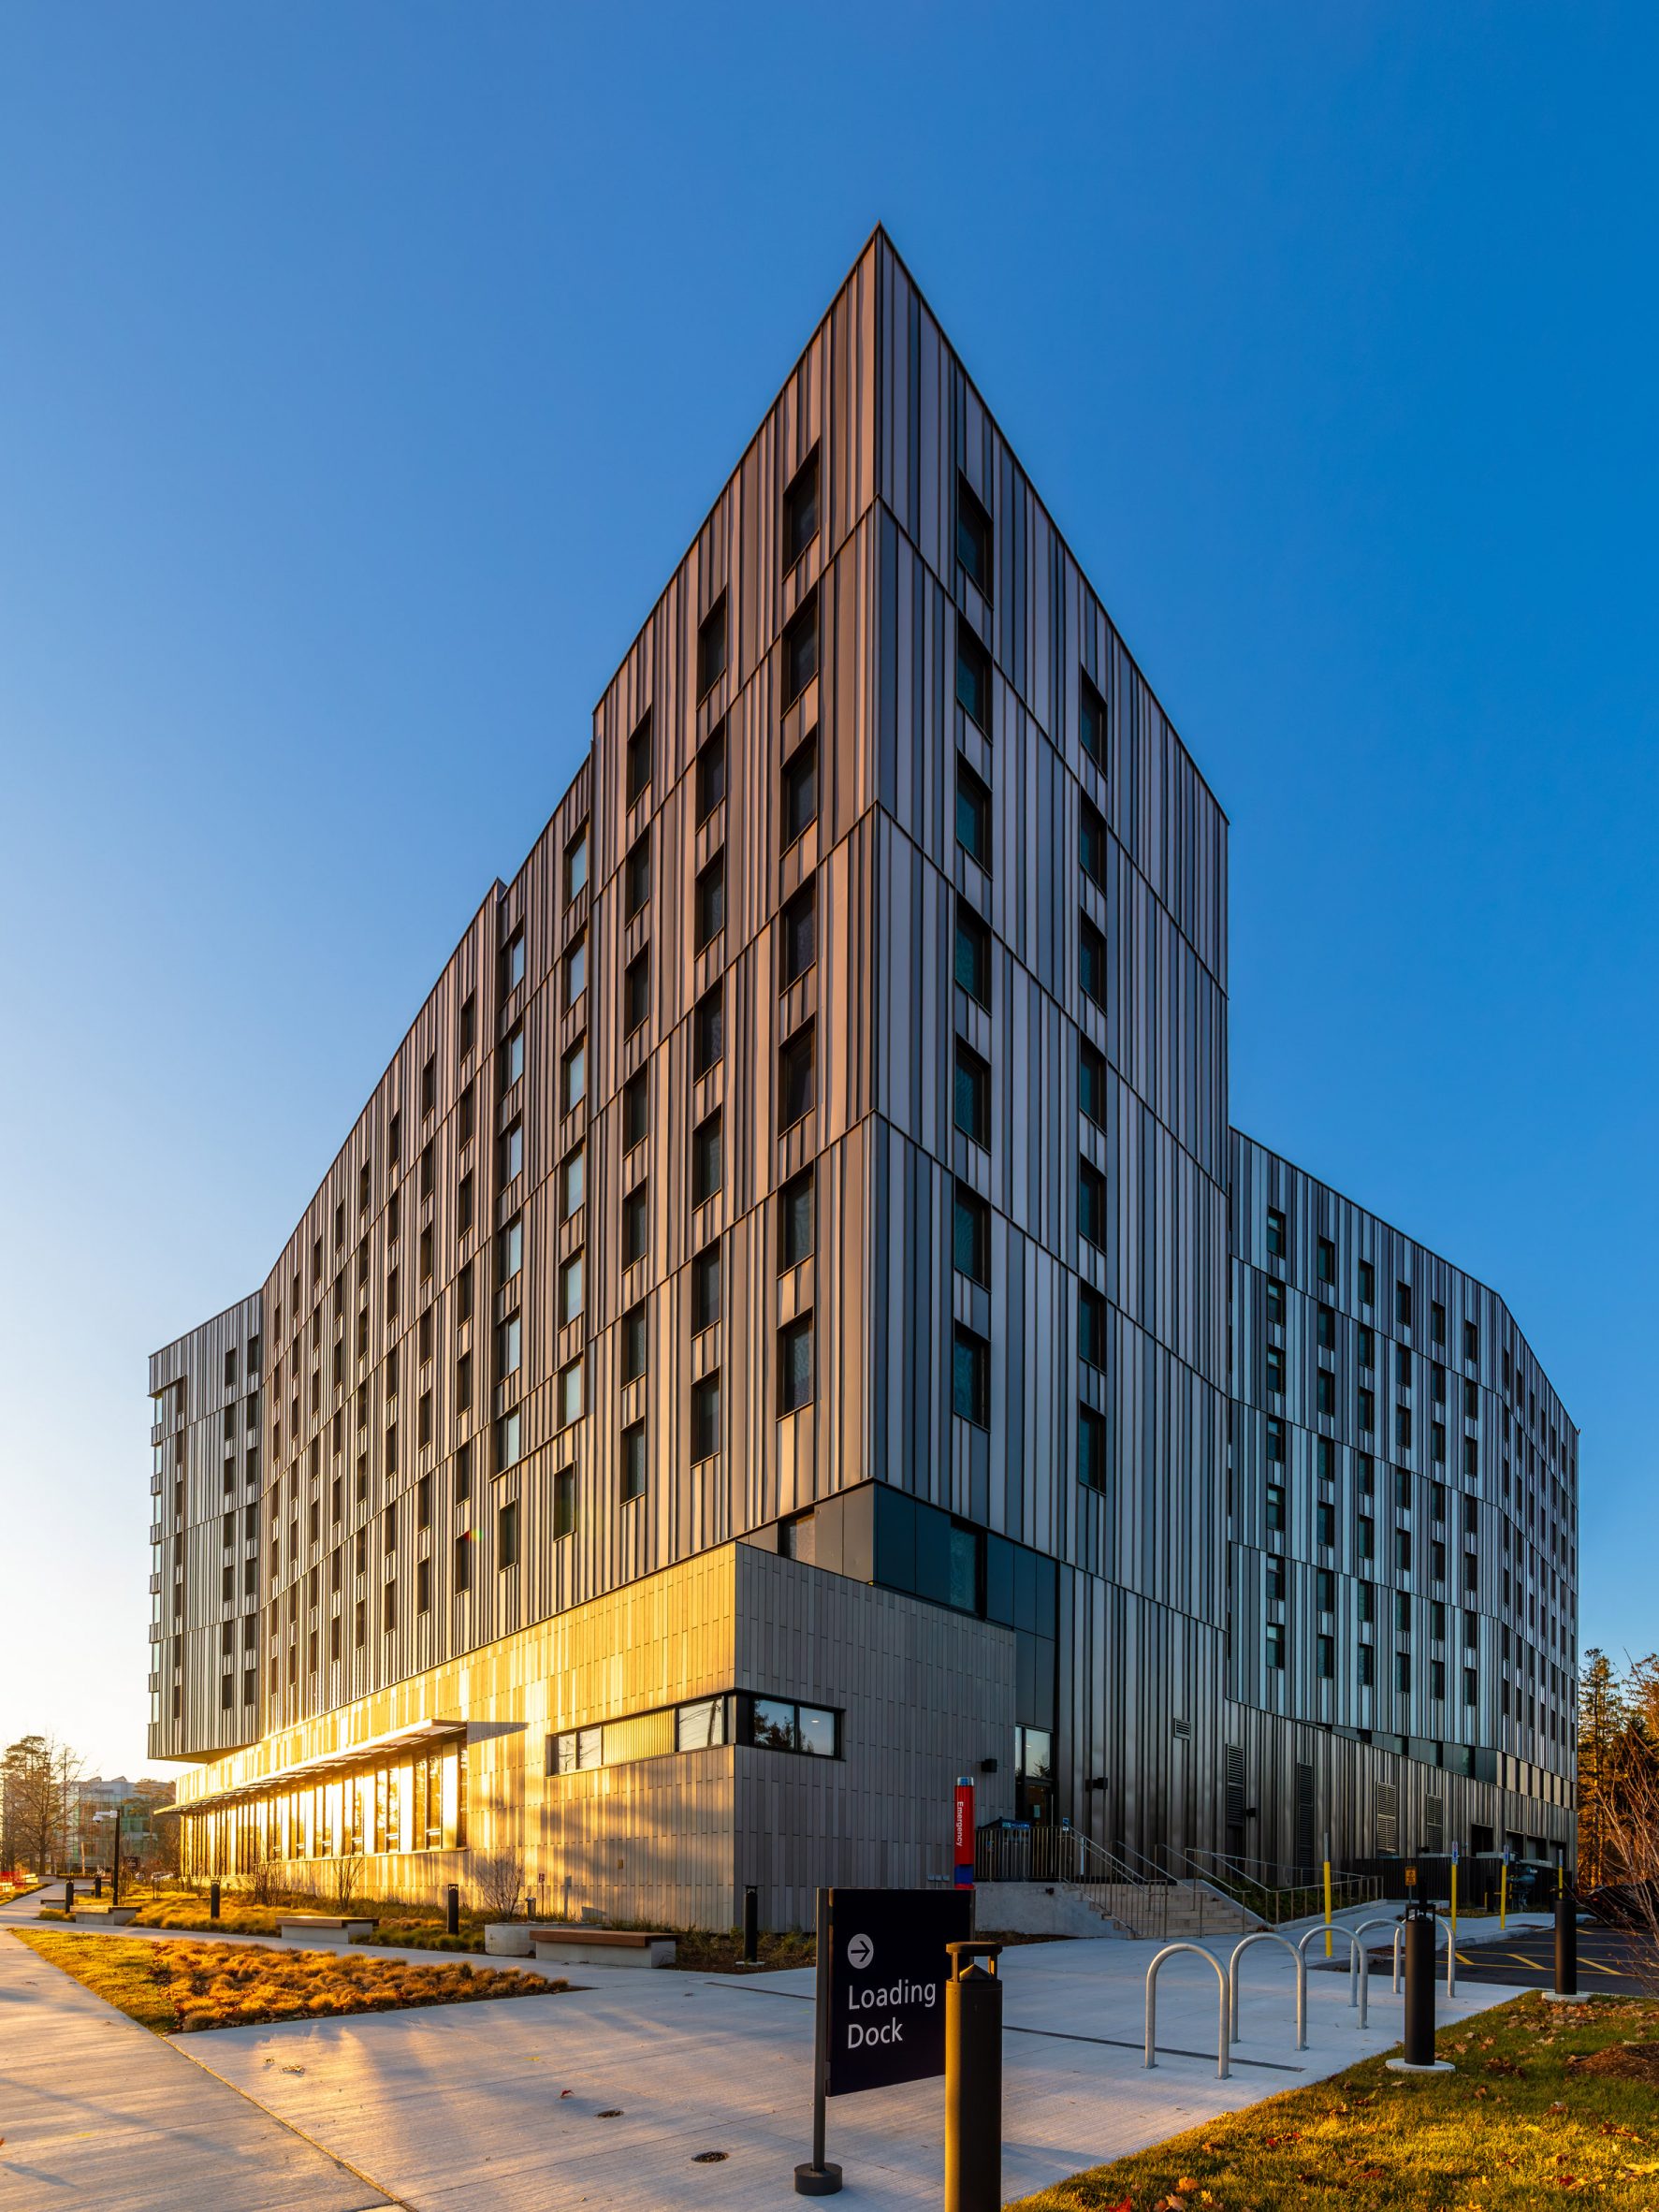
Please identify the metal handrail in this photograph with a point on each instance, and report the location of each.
(1266, 1935)
(1223, 2059)
(1233, 1876)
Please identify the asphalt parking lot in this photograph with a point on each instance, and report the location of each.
(1527, 1958)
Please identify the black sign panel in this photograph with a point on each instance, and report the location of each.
(888, 1967)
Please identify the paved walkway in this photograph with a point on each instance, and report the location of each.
(610, 2095)
(97, 2112)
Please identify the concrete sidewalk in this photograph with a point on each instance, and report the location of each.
(96, 2112)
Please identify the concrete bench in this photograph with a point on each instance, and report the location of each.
(602, 1946)
(346, 1928)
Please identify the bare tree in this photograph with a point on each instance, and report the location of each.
(1629, 1818)
(38, 1801)
(345, 1874)
(498, 1876)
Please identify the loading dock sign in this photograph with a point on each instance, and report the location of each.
(888, 1967)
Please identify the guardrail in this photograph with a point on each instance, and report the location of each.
(1054, 1851)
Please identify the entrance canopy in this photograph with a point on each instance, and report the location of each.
(420, 1736)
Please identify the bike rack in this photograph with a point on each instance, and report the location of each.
(1451, 1953)
(1223, 2063)
(1355, 1954)
(1360, 1964)
(1266, 1935)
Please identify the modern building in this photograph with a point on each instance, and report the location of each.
(792, 1323)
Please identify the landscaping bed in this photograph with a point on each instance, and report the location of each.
(177, 1987)
(1546, 2101)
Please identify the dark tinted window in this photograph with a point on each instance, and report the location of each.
(800, 789)
(973, 536)
(973, 677)
(800, 652)
(711, 645)
(800, 511)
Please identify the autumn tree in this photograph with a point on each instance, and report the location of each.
(37, 1801)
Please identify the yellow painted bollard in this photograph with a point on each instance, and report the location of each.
(1454, 1904)
(1327, 1908)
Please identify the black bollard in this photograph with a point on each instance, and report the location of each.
(1567, 1944)
(452, 1909)
(68, 1896)
(752, 1925)
(213, 1901)
(97, 1886)
(973, 2079)
(1419, 1988)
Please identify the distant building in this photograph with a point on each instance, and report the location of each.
(98, 1804)
(793, 1325)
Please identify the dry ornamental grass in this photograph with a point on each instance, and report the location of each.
(184, 1987)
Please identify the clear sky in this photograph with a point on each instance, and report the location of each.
(365, 370)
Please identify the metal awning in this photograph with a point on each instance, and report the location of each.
(417, 1736)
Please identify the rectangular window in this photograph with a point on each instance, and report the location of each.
(509, 1248)
(423, 1586)
(639, 761)
(800, 790)
(706, 1159)
(569, 1290)
(1402, 1670)
(1091, 1449)
(1403, 1427)
(1325, 1391)
(1438, 1320)
(795, 1366)
(705, 1289)
(973, 954)
(795, 1077)
(635, 992)
(576, 970)
(1091, 1206)
(1091, 1327)
(973, 815)
(1325, 1329)
(511, 974)
(633, 1462)
(636, 1110)
(512, 1151)
(1275, 1645)
(1091, 1084)
(636, 876)
(1325, 1657)
(794, 1220)
(970, 1378)
(797, 936)
(564, 1502)
(1275, 1439)
(508, 1434)
(463, 1205)
(711, 901)
(506, 1535)
(800, 652)
(1091, 961)
(469, 1023)
(973, 537)
(512, 1056)
(711, 772)
(576, 865)
(1276, 1508)
(636, 1224)
(573, 1075)
(973, 677)
(972, 1242)
(1275, 1234)
(1367, 1537)
(1402, 1304)
(1274, 1366)
(707, 1032)
(1325, 1526)
(1091, 846)
(800, 511)
(1091, 720)
(1471, 1341)
(972, 1096)
(1327, 1260)
(634, 1337)
(712, 647)
(705, 1418)
(570, 1394)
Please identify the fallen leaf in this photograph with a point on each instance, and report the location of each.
(1187, 2185)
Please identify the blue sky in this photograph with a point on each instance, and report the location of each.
(365, 370)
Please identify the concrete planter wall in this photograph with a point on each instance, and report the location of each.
(508, 1938)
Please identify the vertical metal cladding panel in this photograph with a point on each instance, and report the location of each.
(1155, 1537)
(1510, 1525)
(204, 1457)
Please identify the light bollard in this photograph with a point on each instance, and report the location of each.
(1418, 2053)
(752, 1925)
(1566, 1949)
(973, 2079)
(68, 1896)
(213, 1901)
(452, 1909)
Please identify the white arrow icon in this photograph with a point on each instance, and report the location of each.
(860, 1951)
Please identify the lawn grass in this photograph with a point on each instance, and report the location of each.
(1547, 2100)
(180, 1987)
